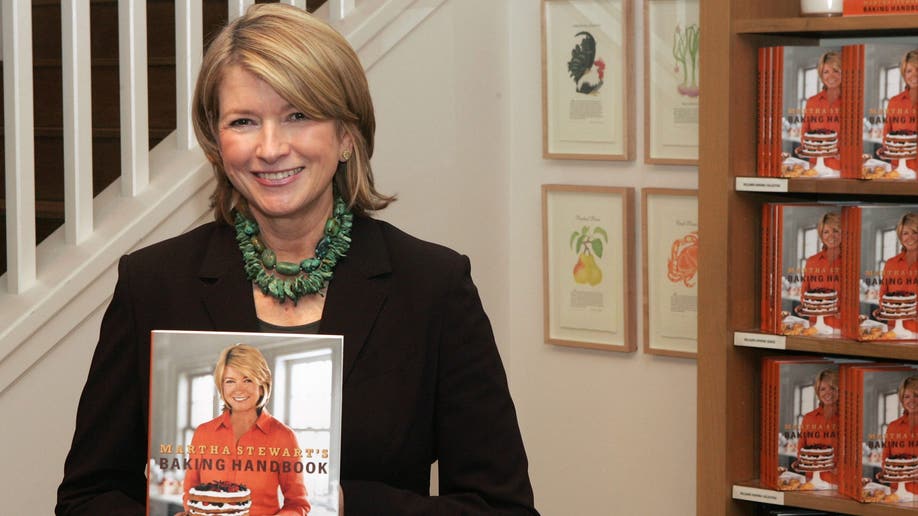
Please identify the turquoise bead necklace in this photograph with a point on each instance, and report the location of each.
(311, 275)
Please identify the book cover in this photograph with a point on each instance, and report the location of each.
(886, 264)
(807, 81)
(881, 434)
(878, 7)
(244, 423)
(800, 423)
(803, 290)
(888, 139)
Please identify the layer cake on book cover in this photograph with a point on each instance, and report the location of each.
(886, 271)
(880, 443)
(290, 455)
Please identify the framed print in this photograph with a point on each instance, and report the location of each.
(669, 232)
(587, 86)
(671, 73)
(588, 285)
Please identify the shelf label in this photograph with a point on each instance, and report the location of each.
(756, 494)
(761, 184)
(759, 340)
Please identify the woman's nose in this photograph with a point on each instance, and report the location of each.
(272, 144)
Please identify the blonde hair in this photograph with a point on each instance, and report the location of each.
(829, 58)
(251, 363)
(910, 219)
(910, 58)
(910, 384)
(309, 65)
(830, 217)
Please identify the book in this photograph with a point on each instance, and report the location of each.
(873, 7)
(880, 460)
(883, 111)
(802, 256)
(800, 417)
(886, 282)
(292, 453)
(799, 135)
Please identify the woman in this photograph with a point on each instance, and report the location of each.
(903, 432)
(243, 380)
(900, 273)
(819, 427)
(902, 110)
(283, 112)
(822, 270)
(823, 110)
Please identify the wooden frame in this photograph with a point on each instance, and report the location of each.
(587, 102)
(671, 52)
(587, 264)
(669, 236)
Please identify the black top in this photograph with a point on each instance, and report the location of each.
(422, 377)
(308, 328)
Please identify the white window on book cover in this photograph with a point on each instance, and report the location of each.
(809, 244)
(804, 402)
(303, 384)
(891, 84)
(889, 246)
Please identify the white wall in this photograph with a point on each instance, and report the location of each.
(459, 108)
(459, 139)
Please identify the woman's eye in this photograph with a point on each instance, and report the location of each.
(241, 122)
(298, 116)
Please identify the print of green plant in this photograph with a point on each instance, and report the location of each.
(587, 243)
(685, 50)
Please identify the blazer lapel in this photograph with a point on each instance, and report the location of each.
(225, 291)
(358, 290)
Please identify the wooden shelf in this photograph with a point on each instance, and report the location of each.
(818, 500)
(826, 186)
(729, 375)
(840, 26)
(899, 350)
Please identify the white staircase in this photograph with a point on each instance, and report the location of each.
(51, 288)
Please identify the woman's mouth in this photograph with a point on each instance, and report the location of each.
(276, 176)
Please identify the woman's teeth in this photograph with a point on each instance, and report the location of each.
(274, 176)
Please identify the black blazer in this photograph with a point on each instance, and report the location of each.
(423, 380)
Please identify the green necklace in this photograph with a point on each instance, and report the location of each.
(307, 277)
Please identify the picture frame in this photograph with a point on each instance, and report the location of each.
(588, 259)
(587, 86)
(671, 73)
(669, 270)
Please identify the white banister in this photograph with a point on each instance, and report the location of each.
(19, 146)
(132, 59)
(77, 71)
(296, 3)
(338, 10)
(236, 8)
(189, 47)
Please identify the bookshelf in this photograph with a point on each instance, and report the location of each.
(728, 374)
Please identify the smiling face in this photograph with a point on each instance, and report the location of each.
(279, 160)
(910, 400)
(910, 75)
(831, 235)
(909, 238)
(240, 392)
(830, 74)
(827, 393)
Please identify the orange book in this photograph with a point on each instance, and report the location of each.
(873, 7)
(800, 423)
(887, 285)
(880, 450)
